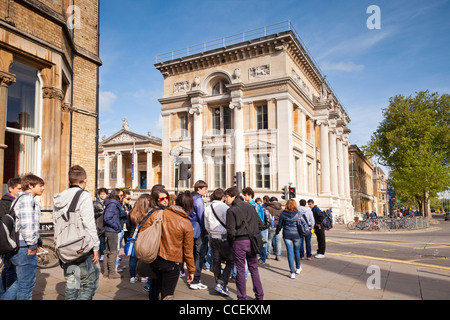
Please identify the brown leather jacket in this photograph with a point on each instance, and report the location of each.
(177, 237)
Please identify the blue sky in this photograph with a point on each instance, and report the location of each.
(411, 51)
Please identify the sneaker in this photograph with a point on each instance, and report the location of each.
(292, 275)
(182, 274)
(319, 256)
(146, 289)
(101, 258)
(222, 290)
(133, 280)
(197, 286)
(298, 270)
(144, 279)
(309, 258)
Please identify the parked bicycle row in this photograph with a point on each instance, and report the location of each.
(389, 224)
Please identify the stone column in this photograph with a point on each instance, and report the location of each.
(166, 166)
(239, 148)
(346, 170)
(304, 173)
(197, 153)
(333, 162)
(106, 182)
(6, 79)
(150, 173)
(285, 143)
(341, 180)
(324, 157)
(120, 183)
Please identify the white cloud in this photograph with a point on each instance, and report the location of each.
(107, 98)
(342, 66)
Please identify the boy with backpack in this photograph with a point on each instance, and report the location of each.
(22, 262)
(80, 264)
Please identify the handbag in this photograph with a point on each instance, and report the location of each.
(257, 243)
(129, 245)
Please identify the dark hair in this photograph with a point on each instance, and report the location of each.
(100, 190)
(266, 198)
(77, 174)
(291, 205)
(248, 191)
(186, 201)
(156, 190)
(199, 185)
(302, 202)
(217, 194)
(258, 200)
(311, 201)
(232, 192)
(13, 182)
(30, 179)
(115, 194)
(273, 199)
(126, 192)
(140, 209)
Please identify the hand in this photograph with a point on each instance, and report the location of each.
(96, 257)
(190, 278)
(32, 252)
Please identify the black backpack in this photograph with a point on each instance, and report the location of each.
(9, 238)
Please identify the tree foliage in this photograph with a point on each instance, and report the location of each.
(413, 141)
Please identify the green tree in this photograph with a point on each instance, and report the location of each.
(413, 141)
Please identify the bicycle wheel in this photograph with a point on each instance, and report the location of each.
(351, 225)
(47, 257)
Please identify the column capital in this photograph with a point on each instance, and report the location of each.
(149, 150)
(52, 93)
(196, 109)
(117, 153)
(6, 79)
(321, 122)
(105, 153)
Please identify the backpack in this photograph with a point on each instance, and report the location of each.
(146, 247)
(72, 241)
(327, 222)
(303, 226)
(9, 237)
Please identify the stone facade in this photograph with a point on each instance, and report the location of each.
(56, 64)
(380, 187)
(260, 107)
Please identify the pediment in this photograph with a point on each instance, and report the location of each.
(260, 144)
(124, 137)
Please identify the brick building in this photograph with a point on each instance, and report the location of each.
(48, 90)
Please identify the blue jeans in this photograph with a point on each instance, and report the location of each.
(307, 241)
(82, 279)
(132, 264)
(22, 267)
(293, 253)
(265, 235)
(274, 242)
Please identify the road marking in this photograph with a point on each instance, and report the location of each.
(426, 265)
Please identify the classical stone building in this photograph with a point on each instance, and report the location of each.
(127, 159)
(361, 181)
(257, 106)
(380, 187)
(48, 90)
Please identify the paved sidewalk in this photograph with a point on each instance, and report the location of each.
(336, 277)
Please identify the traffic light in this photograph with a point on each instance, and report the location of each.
(238, 180)
(185, 172)
(285, 195)
(292, 192)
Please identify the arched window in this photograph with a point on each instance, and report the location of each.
(220, 87)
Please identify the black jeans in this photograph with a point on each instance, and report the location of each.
(221, 250)
(320, 234)
(166, 276)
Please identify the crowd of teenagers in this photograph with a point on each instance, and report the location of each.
(195, 235)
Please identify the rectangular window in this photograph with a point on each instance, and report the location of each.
(262, 117)
(262, 171)
(22, 123)
(220, 172)
(221, 119)
(184, 125)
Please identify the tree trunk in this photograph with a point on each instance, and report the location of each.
(426, 204)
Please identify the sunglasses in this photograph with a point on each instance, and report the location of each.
(127, 198)
(163, 198)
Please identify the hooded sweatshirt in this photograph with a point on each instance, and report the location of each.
(61, 203)
(275, 210)
(308, 215)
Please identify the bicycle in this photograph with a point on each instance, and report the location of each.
(339, 220)
(47, 257)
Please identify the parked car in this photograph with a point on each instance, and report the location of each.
(446, 216)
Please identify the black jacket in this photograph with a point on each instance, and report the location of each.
(242, 221)
(5, 203)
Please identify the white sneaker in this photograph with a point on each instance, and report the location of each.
(292, 275)
(319, 256)
(133, 280)
(144, 279)
(298, 270)
(197, 286)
